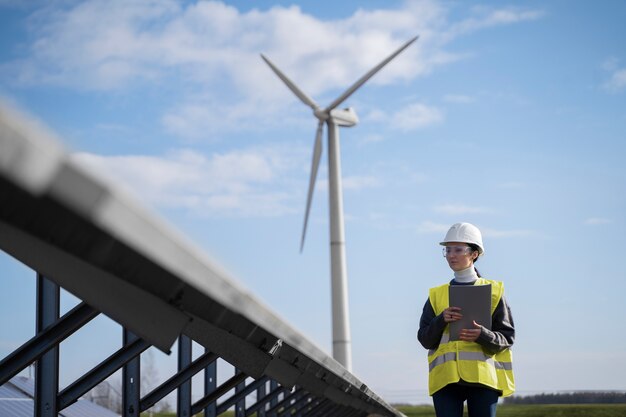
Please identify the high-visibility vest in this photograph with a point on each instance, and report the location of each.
(456, 360)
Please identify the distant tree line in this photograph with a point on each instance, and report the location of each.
(580, 397)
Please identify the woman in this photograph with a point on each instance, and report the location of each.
(477, 368)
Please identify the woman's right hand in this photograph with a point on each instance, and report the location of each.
(451, 314)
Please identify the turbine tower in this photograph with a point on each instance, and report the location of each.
(334, 118)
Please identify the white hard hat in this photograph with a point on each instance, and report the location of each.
(465, 233)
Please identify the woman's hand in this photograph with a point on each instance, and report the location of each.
(470, 335)
(451, 314)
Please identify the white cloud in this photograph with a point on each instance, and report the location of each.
(486, 17)
(104, 44)
(356, 182)
(376, 115)
(351, 182)
(206, 118)
(610, 64)
(207, 53)
(372, 138)
(617, 82)
(252, 182)
(456, 209)
(98, 44)
(432, 227)
(593, 221)
(495, 233)
(416, 116)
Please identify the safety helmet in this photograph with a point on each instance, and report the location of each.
(465, 233)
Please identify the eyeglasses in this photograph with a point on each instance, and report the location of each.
(456, 250)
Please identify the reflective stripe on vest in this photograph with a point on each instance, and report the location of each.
(470, 356)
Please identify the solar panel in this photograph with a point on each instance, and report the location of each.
(8, 391)
(101, 245)
(16, 400)
(26, 385)
(16, 407)
(82, 408)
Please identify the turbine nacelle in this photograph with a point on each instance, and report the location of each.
(344, 117)
(341, 117)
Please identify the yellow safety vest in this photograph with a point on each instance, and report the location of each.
(456, 360)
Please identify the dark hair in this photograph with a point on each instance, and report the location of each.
(475, 248)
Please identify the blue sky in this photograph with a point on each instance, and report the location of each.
(510, 116)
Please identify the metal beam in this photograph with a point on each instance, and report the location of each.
(322, 406)
(297, 406)
(285, 402)
(239, 394)
(174, 382)
(183, 405)
(261, 392)
(131, 380)
(219, 391)
(210, 383)
(240, 404)
(47, 368)
(273, 386)
(46, 340)
(315, 402)
(259, 406)
(101, 372)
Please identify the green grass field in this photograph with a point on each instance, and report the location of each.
(512, 410)
(515, 410)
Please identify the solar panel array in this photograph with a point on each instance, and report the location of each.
(94, 241)
(17, 400)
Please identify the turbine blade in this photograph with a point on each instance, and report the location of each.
(367, 76)
(315, 163)
(294, 88)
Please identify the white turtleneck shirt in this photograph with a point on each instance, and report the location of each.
(466, 276)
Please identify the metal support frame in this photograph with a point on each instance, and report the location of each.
(321, 407)
(210, 383)
(272, 399)
(51, 337)
(284, 403)
(101, 372)
(217, 393)
(261, 392)
(52, 330)
(240, 403)
(239, 398)
(297, 406)
(183, 405)
(315, 403)
(47, 367)
(156, 395)
(273, 386)
(131, 381)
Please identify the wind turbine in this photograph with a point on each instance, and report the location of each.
(334, 118)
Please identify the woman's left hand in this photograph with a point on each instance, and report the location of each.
(470, 335)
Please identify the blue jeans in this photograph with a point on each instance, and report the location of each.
(481, 401)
